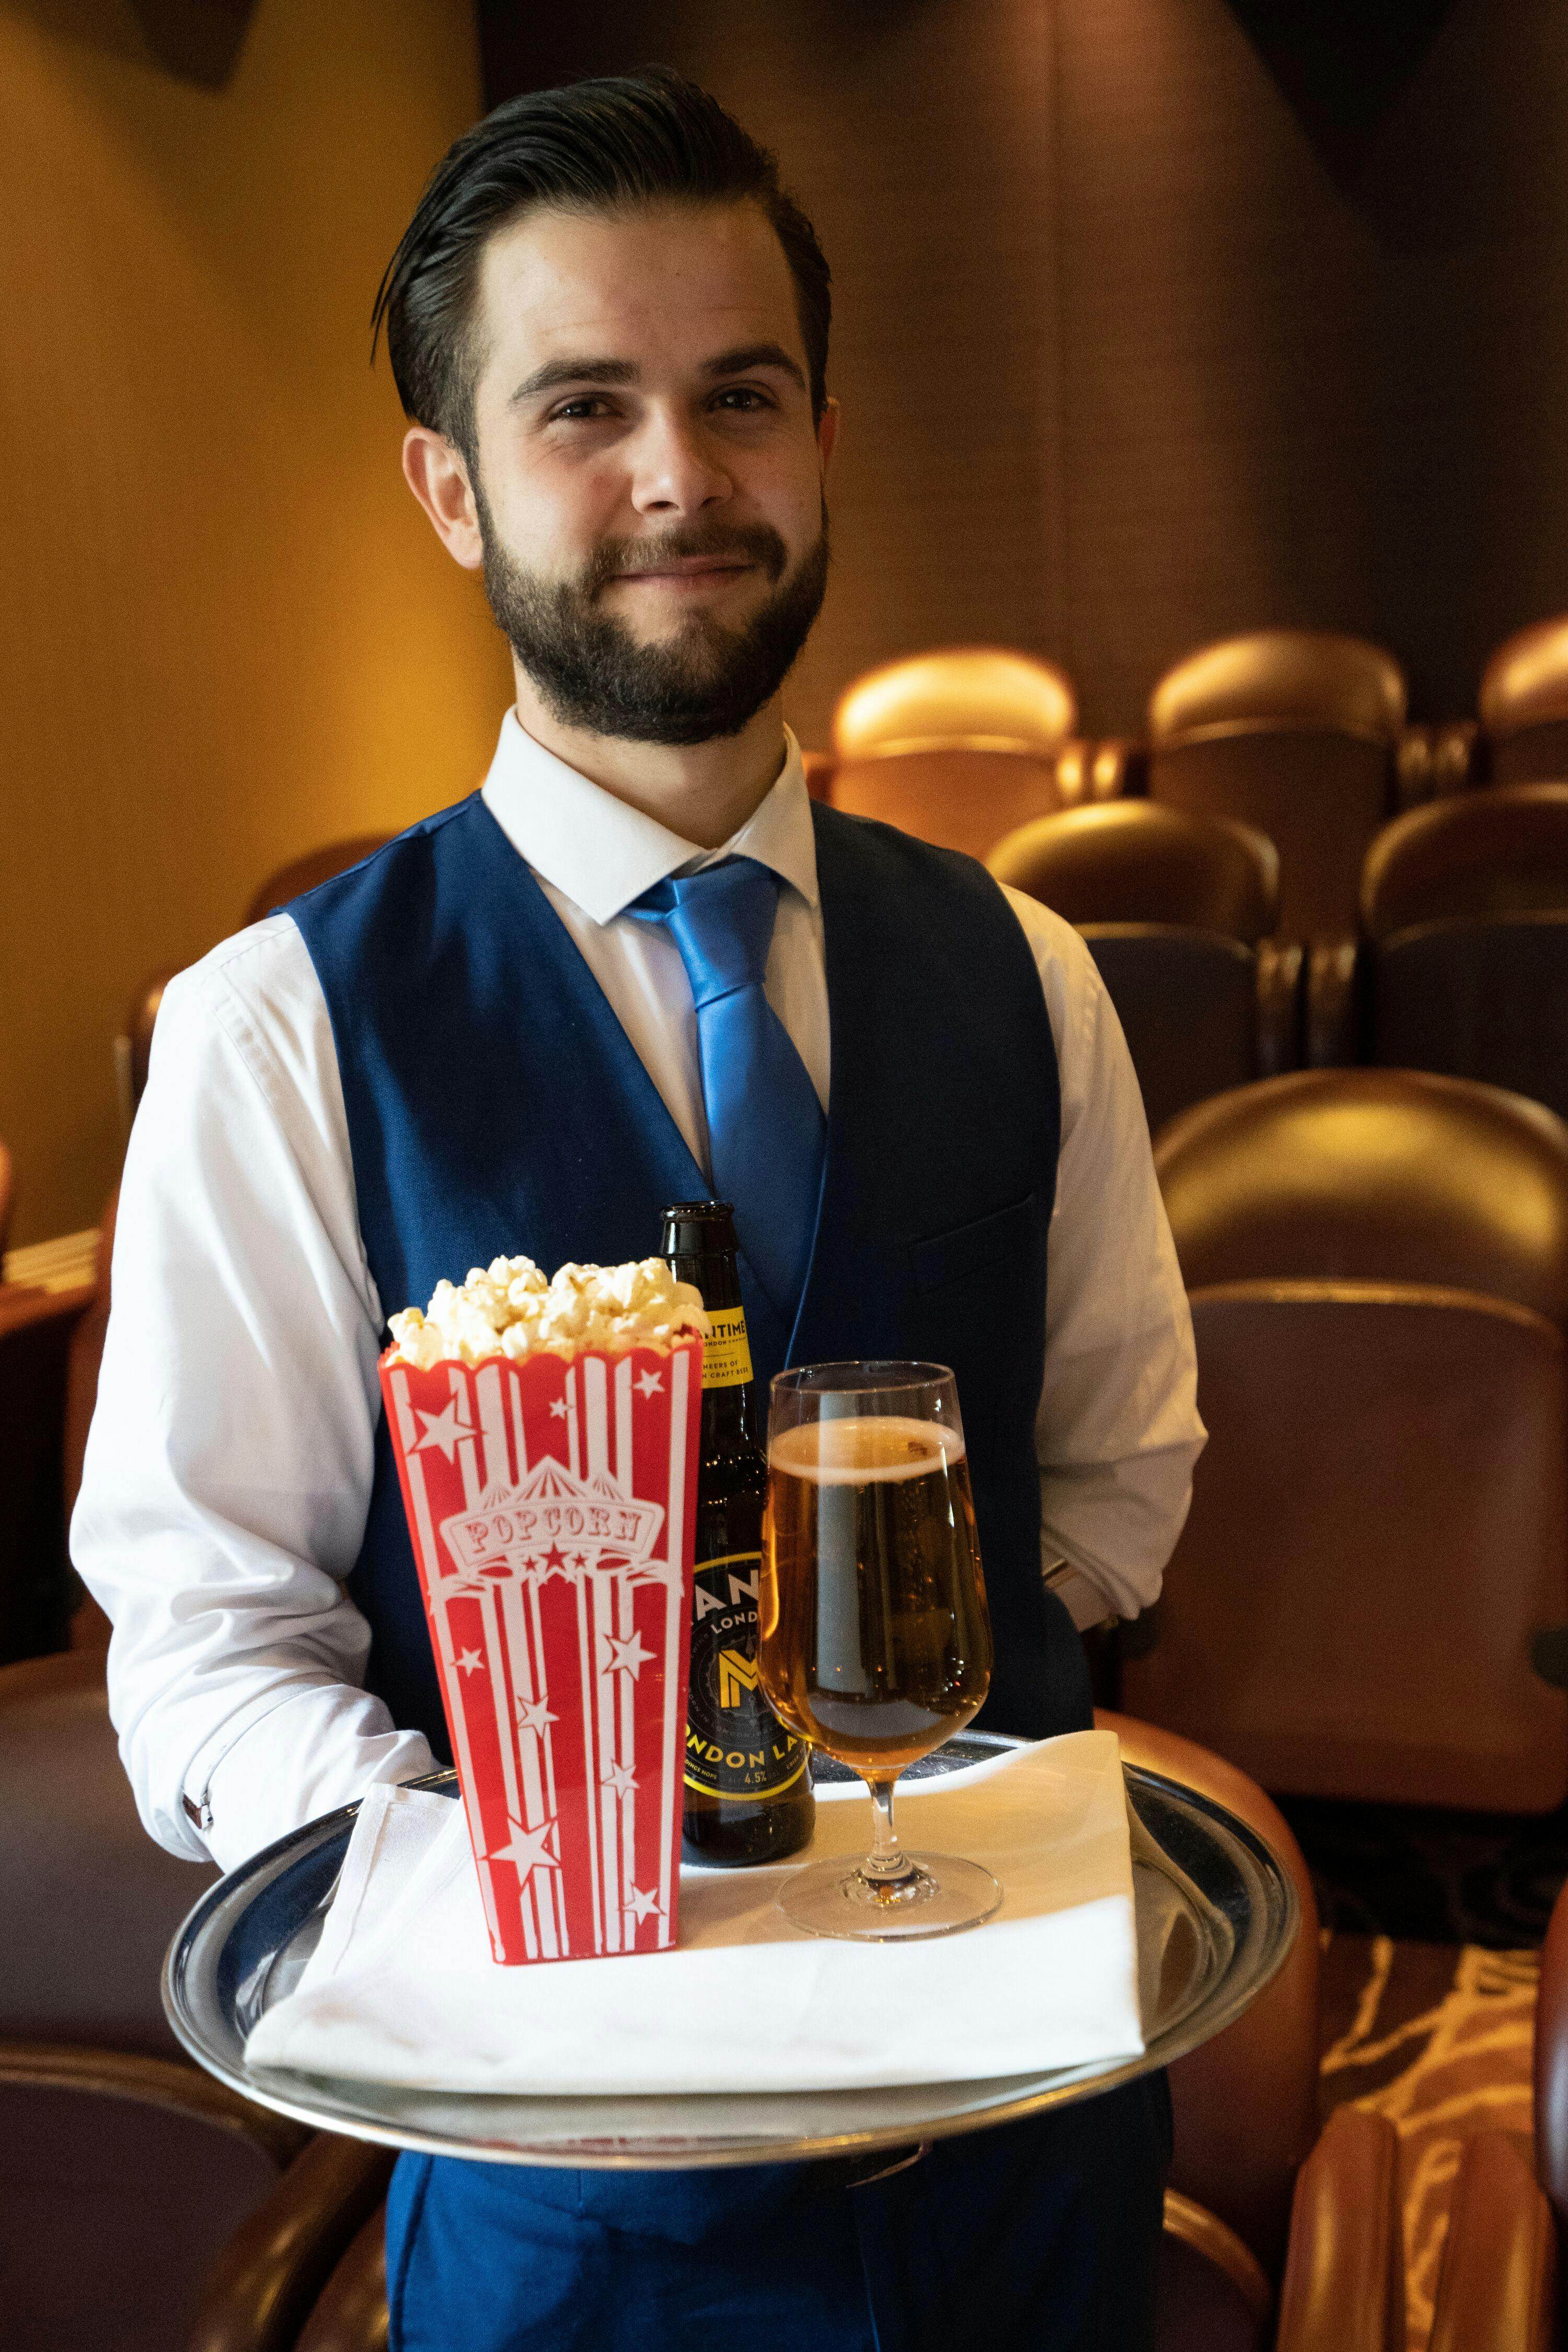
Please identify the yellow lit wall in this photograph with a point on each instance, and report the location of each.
(226, 633)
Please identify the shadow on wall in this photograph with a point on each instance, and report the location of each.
(197, 41)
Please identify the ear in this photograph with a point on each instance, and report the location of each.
(437, 475)
(827, 434)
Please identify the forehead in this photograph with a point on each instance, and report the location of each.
(666, 283)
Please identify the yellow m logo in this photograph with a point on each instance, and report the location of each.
(737, 1675)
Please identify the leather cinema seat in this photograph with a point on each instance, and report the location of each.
(1465, 918)
(1296, 733)
(1176, 910)
(5, 1192)
(1374, 1563)
(1524, 705)
(125, 2172)
(1498, 2288)
(958, 745)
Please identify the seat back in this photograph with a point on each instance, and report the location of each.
(120, 2182)
(1377, 1533)
(1498, 853)
(141, 1020)
(1374, 1175)
(1246, 2103)
(1135, 862)
(302, 874)
(1187, 1002)
(956, 697)
(1295, 733)
(958, 796)
(1476, 996)
(1524, 705)
(90, 1901)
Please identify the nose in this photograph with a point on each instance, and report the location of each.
(676, 469)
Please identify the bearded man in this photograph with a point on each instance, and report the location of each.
(608, 325)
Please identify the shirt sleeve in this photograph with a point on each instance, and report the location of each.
(228, 1468)
(1118, 1429)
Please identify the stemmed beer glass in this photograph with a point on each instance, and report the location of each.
(875, 1643)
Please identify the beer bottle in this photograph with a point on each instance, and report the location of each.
(748, 1788)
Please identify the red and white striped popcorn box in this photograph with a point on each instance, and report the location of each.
(551, 1506)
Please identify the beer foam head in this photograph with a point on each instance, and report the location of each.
(508, 1309)
(864, 1449)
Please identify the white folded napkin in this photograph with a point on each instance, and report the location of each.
(402, 1989)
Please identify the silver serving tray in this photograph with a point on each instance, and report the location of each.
(1217, 1913)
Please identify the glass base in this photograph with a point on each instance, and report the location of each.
(941, 1894)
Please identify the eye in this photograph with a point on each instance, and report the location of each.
(588, 407)
(741, 399)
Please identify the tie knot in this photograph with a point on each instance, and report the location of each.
(721, 920)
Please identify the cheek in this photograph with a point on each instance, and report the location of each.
(553, 512)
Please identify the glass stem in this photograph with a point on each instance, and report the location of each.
(886, 1863)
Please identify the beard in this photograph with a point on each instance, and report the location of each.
(706, 681)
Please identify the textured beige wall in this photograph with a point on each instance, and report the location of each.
(225, 632)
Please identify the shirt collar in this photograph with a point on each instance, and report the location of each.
(601, 854)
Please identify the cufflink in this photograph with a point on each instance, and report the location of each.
(201, 1814)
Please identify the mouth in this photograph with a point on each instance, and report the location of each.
(688, 571)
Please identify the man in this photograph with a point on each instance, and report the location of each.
(609, 327)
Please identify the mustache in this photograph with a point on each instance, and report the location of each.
(731, 543)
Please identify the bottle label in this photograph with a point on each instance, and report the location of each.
(726, 1352)
(735, 1745)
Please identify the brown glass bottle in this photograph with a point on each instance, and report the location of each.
(748, 1787)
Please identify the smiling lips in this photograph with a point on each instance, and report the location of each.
(691, 571)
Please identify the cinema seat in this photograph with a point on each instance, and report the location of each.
(1294, 732)
(1464, 924)
(958, 745)
(1524, 705)
(1370, 1596)
(1177, 912)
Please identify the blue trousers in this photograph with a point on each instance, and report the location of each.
(1039, 2236)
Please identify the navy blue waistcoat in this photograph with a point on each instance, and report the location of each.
(495, 1105)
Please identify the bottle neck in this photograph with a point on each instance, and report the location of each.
(730, 1420)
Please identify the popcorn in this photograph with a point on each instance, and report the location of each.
(508, 1309)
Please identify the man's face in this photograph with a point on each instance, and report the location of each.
(649, 475)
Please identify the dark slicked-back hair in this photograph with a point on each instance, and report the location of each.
(648, 137)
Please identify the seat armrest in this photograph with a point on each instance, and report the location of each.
(1281, 968)
(277, 2264)
(351, 2315)
(1497, 2285)
(1344, 2272)
(1331, 1008)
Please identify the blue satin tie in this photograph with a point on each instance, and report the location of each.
(766, 1127)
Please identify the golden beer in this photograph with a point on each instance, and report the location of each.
(875, 1640)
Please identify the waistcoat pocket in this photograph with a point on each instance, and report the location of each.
(964, 1250)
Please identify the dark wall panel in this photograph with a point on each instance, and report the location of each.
(919, 138)
(1159, 319)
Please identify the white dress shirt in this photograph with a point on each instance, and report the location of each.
(229, 1465)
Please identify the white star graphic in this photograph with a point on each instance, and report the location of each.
(469, 1661)
(443, 1429)
(533, 1714)
(645, 1906)
(621, 1779)
(559, 1408)
(527, 1849)
(648, 1383)
(627, 1658)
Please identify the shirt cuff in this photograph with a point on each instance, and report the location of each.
(320, 1747)
(1080, 1595)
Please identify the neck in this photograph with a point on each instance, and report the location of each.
(703, 792)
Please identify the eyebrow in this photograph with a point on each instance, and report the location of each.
(557, 373)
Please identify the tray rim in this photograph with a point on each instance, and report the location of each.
(274, 2089)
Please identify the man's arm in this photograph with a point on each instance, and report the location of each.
(1118, 1429)
(228, 1469)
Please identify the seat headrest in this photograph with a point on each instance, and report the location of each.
(1373, 1175)
(1277, 678)
(1503, 852)
(1525, 683)
(1140, 862)
(971, 698)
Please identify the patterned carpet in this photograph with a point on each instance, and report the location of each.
(1437, 2038)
